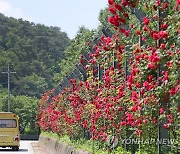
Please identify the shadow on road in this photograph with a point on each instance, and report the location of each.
(20, 150)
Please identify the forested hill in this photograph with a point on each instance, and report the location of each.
(33, 51)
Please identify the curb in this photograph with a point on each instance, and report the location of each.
(53, 146)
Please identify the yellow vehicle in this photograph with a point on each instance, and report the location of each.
(9, 130)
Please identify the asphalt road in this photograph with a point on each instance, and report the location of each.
(25, 148)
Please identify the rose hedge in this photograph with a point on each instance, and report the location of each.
(140, 85)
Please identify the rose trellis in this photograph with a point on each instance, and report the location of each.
(131, 81)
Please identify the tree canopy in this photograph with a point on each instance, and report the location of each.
(33, 51)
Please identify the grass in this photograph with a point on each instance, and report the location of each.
(86, 145)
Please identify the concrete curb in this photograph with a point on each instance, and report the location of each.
(52, 146)
(37, 148)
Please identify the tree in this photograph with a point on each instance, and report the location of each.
(30, 50)
(73, 53)
(25, 107)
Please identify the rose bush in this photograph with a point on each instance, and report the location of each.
(139, 89)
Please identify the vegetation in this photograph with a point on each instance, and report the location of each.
(73, 52)
(84, 144)
(33, 51)
(25, 107)
(80, 45)
(137, 96)
(41, 56)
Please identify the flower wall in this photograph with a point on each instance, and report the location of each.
(139, 89)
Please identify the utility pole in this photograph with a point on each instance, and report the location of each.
(8, 72)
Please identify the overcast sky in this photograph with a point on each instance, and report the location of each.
(69, 15)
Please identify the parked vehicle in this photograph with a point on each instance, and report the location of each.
(9, 130)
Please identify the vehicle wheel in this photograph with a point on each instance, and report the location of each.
(15, 148)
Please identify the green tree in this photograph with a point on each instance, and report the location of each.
(25, 107)
(74, 51)
(33, 51)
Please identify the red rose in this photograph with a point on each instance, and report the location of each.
(155, 36)
(165, 5)
(112, 10)
(146, 20)
(164, 26)
(145, 28)
(177, 2)
(166, 126)
(178, 108)
(119, 7)
(110, 2)
(138, 32)
(162, 46)
(161, 110)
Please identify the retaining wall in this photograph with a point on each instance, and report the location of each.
(52, 146)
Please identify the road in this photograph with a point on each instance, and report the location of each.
(25, 148)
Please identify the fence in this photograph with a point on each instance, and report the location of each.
(80, 73)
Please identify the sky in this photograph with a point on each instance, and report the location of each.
(69, 15)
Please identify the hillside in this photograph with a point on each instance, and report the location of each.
(33, 51)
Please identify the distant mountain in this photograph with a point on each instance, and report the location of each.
(33, 51)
